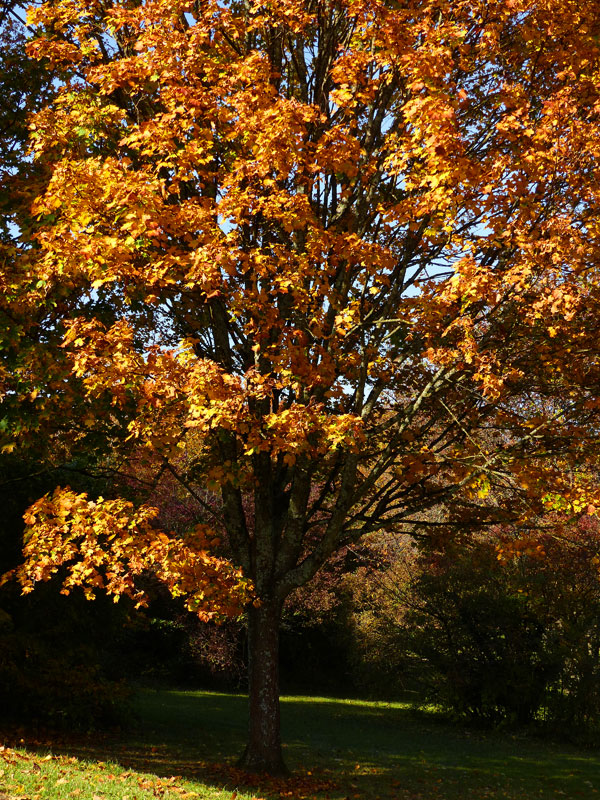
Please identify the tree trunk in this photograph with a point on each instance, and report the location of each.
(263, 751)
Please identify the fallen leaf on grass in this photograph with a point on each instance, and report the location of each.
(297, 787)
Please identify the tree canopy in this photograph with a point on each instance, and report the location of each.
(347, 249)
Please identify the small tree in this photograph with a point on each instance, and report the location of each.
(350, 245)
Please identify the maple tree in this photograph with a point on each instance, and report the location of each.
(347, 247)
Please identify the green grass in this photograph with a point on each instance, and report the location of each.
(183, 745)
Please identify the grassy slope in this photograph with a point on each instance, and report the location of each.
(182, 743)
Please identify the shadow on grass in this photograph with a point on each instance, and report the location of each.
(340, 749)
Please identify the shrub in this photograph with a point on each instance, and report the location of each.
(509, 626)
(501, 628)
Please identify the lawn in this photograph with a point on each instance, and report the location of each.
(182, 745)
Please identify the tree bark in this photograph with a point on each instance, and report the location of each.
(263, 751)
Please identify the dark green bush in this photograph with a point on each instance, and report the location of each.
(501, 629)
(509, 629)
(57, 664)
(488, 651)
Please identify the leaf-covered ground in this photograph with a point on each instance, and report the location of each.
(183, 744)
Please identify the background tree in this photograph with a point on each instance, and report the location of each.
(351, 246)
(505, 627)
